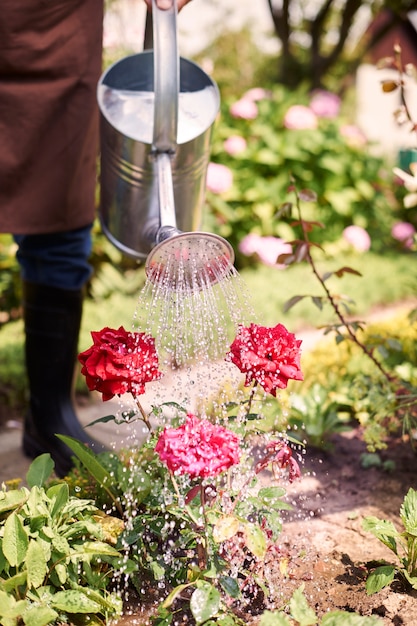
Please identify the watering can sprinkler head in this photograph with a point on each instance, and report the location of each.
(193, 259)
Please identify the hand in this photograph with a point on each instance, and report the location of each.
(166, 4)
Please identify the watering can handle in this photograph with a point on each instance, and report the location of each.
(166, 77)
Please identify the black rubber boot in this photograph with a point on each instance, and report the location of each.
(52, 324)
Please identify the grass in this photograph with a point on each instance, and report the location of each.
(385, 280)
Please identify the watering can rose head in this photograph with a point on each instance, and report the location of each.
(119, 362)
(198, 448)
(267, 356)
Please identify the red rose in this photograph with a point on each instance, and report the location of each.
(119, 362)
(268, 356)
(198, 448)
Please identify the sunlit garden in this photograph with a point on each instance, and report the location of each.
(274, 479)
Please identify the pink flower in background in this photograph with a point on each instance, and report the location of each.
(357, 237)
(403, 232)
(257, 93)
(219, 178)
(198, 448)
(235, 145)
(268, 249)
(244, 109)
(300, 117)
(325, 104)
(353, 135)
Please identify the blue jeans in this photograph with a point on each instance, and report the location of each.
(56, 259)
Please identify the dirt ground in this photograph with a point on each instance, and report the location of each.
(330, 550)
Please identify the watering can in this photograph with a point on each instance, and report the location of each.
(156, 117)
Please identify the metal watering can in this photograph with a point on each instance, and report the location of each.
(156, 117)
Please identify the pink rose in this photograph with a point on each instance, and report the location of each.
(300, 117)
(268, 249)
(198, 448)
(244, 109)
(325, 104)
(219, 178)
(357, 237)
(235, 145)
(257, 93)
(353, 135)
(268, 356)
(404, 233)
(119, 362)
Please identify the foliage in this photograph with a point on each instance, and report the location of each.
(57, 556)
(352, 185)
(403, 544)
(319, 43)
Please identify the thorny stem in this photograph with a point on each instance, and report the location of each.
(332, 301)
(144, 415)
(400, 69)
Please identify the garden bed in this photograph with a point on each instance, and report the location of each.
(323, 544)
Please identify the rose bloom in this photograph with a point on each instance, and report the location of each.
(119, 362)
(353, 135)
(219, 178)
(256, 93)
(268, 356)
(325, 104)
(235, 145)
(268, 249)
(357, 237)
(245, 109)
(403, 232)
(300, 117)
(198, 448)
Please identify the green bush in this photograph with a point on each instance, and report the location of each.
(352, 185)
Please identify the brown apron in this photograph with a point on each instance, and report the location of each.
(50, 63)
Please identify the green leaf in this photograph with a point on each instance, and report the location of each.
(99, 548)
(255, 539)
(268, 494)
(383, 530)
(90, 461)
(300, 610)
(15, 540)
(291, 302)
(14, 582)
(204, 602)
(59, 493)
(343, 618)
(73, 601)
(10, 608)
(408, 512)
(274, 618)
(39, 616)
(12, 499)
(36, 564)
(380, 578)
(40, 470)
(230, 586)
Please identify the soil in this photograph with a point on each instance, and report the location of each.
(331, 553)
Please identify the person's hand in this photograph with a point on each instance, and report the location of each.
(167, 4)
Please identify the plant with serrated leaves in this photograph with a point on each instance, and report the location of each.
(402, 543)
(396, 396)
(57, 554)
(299, 613)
